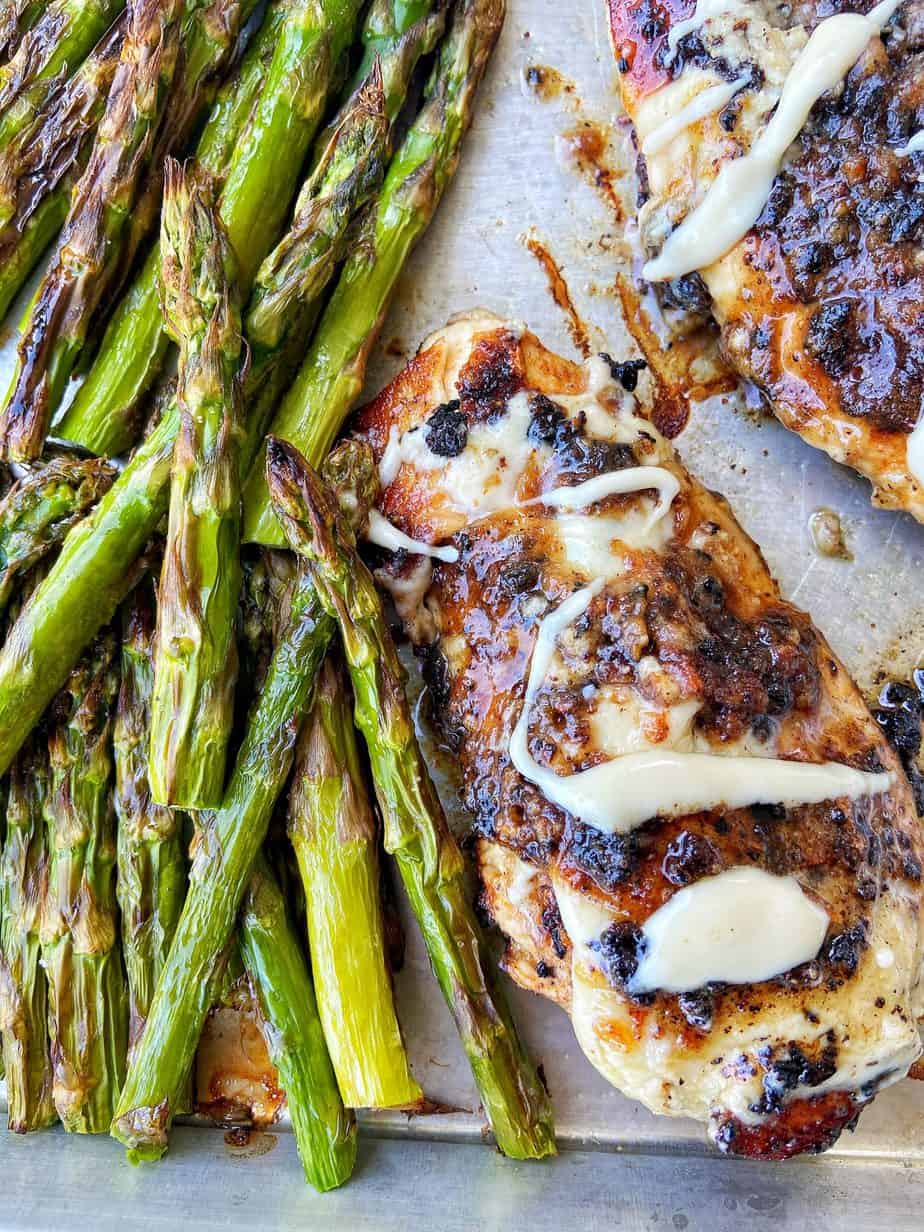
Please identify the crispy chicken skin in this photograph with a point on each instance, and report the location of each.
(687, 644)
(822, 303)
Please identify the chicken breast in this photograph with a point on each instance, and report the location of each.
(821, 304)
(688, 825)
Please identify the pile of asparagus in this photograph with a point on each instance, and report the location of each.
(166, 690)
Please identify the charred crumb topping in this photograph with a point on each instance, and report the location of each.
(900, 714)
(446, 431)
(579, 455)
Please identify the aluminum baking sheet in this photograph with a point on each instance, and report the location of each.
(518, 180)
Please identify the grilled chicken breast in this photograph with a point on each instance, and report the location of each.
(688, 826)
(821, 304)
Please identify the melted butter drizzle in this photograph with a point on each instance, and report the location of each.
(706, 103)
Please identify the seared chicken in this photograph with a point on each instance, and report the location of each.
(821, 304)
(689, 828)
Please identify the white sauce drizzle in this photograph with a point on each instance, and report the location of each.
(735, 199)
(706, 103)
(619, 795)
(386, 535)
(916, 143)
(632, 479)
(740, 927)
(705, 9)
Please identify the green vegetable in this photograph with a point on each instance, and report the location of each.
(88, 1003)
(332, 375)
(221, 871)
(416, 833)
(325, 1132)
(334, 833)
(192, 709)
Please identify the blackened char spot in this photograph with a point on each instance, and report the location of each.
(697, 1007)
(625, 371)
(446, 431)
(551, 922)
(608, 858)
(581, 456)
(830, 337)
(844, 950)
(688, 858)
(786, 1071)
(621, 947)
(490, 378)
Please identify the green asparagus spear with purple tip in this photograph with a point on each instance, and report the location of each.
(416, 832)
(333, 373)
(88, 1002)
(325, 1132)
(192, 708)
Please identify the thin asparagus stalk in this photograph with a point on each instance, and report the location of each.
(23, 986)
(222, 868)
(87, 257)
(325, 1132)
(333, 373)
(151, 876)
(416, 832)
(51, 50)
(334, 834)
(291, 279)
(104, 415)
(39, 169)
(88, 997)
(397, 33)
(258, 189)
(16, 17)
(209, 37)
(41, 508)
(192, 709)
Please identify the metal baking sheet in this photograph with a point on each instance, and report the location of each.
(518, 179)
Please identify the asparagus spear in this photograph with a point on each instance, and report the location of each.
(258, 189)
(289, 282)
(325, 1132)
(41, 508)
(192, 708)
(87, 582)
(397, 33)
(88, 1002)
(416, 833)
(333, 831)
(39, 168)
(51, 50)
(87, 255)
(222, 867)
(151, 878)
(23, 987)
(16, 17)
(209, 37)
(332, 375)
(104, 415)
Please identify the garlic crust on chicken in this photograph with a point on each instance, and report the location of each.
(688, 826)
(821, 301)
